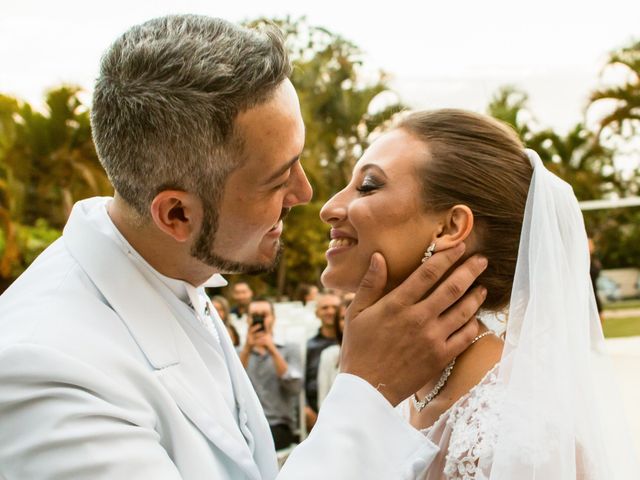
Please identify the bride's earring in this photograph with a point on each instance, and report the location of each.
(429, 252)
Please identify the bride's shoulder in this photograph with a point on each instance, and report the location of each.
(475, 363)
(472, 366)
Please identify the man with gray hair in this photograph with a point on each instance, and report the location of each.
(114, 364)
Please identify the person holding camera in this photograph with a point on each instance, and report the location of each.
(275, 370)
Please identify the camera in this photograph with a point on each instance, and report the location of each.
(258, 319)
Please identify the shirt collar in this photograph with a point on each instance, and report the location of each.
(181, 289)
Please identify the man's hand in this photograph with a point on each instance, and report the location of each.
(400, 342)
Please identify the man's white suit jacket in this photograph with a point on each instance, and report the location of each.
(99, 381)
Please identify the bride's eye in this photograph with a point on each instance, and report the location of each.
(368, 185)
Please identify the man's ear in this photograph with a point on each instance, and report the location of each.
(457, 226)
(177, 213)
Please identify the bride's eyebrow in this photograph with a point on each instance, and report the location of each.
(371, 166)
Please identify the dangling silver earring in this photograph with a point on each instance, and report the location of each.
(429, 252)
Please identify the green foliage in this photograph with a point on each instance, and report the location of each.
(335, 97)
(580, 159)
(510, 105)
(47, 163)
(33, 239)
(30, 240)
(624, 118)
(577, 157)
(303, 264)
(54, 159)
(616, 233)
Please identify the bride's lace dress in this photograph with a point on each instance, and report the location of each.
(466, 433)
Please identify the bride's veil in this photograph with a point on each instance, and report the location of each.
(561, 417)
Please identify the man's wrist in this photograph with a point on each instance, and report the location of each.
(383, 388)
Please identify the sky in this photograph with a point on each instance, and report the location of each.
(454, 53)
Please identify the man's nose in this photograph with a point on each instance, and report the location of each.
(300, 191)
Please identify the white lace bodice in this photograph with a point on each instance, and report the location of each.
(466, 433)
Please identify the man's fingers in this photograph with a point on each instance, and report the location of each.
(455, 317)
(456, 285)
(371, 286)
(427, 275)
(460, 340)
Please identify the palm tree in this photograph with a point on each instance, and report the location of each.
(510, 105)
(47, 162)
(580, 160)
(10, 189)
(577, 157)
(625, 97)
(54, 157)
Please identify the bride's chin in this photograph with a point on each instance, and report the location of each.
(331, 279)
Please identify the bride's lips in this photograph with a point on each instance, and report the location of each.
(340, 242)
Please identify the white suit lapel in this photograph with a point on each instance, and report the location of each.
(252, 419)
(158, 334)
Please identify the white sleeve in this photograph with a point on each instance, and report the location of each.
(359, 435)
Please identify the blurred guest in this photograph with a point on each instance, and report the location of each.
(329, 365)
(242, 295)
(275, 371)
(312, 294)
(594, 271)
(306, 293)
(221, 305)
(327, 307)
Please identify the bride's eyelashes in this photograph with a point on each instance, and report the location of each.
(368, 185)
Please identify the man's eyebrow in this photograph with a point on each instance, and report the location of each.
(282, 170)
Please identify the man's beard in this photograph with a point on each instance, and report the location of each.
(202, 249)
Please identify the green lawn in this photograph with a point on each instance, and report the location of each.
(622, 304)
(621, 327)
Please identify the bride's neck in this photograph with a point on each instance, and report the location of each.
(470, 368)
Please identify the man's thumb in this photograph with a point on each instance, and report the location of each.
(371, 286)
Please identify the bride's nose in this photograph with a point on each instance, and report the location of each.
(334, 210)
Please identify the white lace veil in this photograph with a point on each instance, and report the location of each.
(561, 418)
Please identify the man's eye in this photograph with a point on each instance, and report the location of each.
(282, 185)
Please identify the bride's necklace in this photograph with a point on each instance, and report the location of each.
(420, 404)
